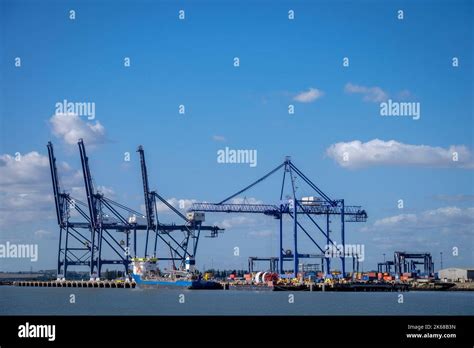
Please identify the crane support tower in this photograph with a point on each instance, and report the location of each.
(401, 262)
(93, 241)
(301, 210)
(182, 251)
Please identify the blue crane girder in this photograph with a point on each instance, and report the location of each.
(354, 213)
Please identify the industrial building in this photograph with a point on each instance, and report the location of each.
(457, 274)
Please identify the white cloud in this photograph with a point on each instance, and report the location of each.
(308, 96)
(236, 221)
(218, 138)
(441, 217)
(43, 234)
(356, 154)
(404, 94)
(71, 128)
(106, 191)
(370, 94)
(30, 168)
(261, 233)
(245, 200)
(26, 193)
(421, 230)
(454, 198)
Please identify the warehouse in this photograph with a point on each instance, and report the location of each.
(457, 274)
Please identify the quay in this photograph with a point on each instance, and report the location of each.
(77, 284)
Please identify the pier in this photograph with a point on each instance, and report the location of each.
(77, 284)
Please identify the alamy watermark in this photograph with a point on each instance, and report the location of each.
(405, 109)
(25, 251)
(228, 155)
(37, 331)
(348, 250)
(76, 108)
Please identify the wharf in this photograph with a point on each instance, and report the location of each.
(77, 284)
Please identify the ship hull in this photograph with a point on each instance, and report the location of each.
(187, 284)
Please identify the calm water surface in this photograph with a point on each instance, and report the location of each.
(56, 301)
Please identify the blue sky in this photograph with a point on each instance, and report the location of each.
(190, 62)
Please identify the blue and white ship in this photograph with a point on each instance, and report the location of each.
(147, 274)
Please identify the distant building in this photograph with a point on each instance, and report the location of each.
(457, 274)
(20, 276)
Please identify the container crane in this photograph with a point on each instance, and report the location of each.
(191, 227)
(401, 264)
(297, 209)
(74, 247)
(104, 217)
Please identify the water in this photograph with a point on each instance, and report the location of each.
(56, 301)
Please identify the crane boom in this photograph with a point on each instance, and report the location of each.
(91, 199)
(150, 216)
(58, 200)
(274, 210)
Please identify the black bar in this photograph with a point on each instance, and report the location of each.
(219, 330)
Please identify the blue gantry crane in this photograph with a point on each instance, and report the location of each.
(401, 262)
(74, 247)
(93, 241)
(107, 216)
(298, 209)
(183, 251)
(104, 218)
(385, 266)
